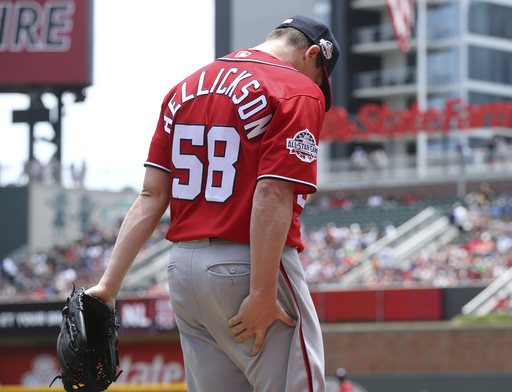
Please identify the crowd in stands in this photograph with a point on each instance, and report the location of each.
(481, 252)
(50, 275)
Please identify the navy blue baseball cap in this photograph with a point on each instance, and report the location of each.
(322, 36)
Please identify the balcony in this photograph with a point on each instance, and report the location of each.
(376, 39)
(438, 167)
(385, 82)
(373, 34)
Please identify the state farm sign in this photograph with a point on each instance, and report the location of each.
(141, 362)
(379, 120)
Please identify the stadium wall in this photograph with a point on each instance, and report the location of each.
(387, 356)
(392, 304)
(14, 213)
(380, 357)
(422, 356)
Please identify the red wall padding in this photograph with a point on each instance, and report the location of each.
(379, 305)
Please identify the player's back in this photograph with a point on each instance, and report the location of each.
(227, 125)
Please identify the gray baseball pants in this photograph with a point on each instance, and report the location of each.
(208, 280)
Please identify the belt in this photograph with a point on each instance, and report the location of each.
(206, 242)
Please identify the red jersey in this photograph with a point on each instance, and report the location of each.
(244, 117)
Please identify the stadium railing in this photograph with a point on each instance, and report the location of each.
(417, 232)
(485, 302)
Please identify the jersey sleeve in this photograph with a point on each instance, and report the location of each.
(289, 149)
(159, 150)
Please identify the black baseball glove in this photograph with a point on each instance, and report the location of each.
(87, 344)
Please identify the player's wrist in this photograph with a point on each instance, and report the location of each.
(263, 295)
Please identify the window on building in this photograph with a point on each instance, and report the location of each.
(490, 65)
(443, 22)
(443, 67)
(490, 19)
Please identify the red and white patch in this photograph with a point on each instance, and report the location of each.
(303, 145)
(327, 48)
(243, 53)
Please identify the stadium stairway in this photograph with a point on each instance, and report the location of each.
(428, 229)
(148, 265)
(487, 301)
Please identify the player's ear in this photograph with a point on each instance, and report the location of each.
(311, 53)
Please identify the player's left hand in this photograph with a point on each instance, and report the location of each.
(102, 293)
(254, 318)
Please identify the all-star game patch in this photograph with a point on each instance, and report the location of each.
(303, 145)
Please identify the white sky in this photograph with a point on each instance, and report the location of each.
(141, 49)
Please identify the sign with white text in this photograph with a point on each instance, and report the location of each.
(45, 43)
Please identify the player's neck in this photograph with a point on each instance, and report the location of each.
(278, 49)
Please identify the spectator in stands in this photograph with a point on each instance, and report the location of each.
(344, 384)
(9, 270)
(374, 201)
(409, 198)
(378, 160)
(502, 150)
(50, 274)
(459, 217)
(359, 160)
(491, 147)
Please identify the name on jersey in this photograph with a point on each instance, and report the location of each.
(303, 145)
(248, 107)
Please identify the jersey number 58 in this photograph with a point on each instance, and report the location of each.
(220, 180)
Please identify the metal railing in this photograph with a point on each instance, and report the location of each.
(439, 165)
(384, 33)
(408, 239)
(486, 301)
(386, 77)
(373, 34)
(146, 266)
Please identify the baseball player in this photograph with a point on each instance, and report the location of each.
(234, 152)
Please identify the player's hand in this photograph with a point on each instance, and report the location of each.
(102, 293)
(254, 318)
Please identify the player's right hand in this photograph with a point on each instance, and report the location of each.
(254, 318)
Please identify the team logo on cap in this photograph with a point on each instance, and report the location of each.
(327, 48)
(287, 21)
(303, 145)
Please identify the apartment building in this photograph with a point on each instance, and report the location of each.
(441, 110)
(436, 117)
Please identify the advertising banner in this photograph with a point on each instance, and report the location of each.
(30, 319)
(141, 362)
(45, 42)
(141, 316)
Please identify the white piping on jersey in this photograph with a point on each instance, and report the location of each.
(157, 166)
(288, 179)
(258, 62)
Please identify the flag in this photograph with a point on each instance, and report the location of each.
(402, 19)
